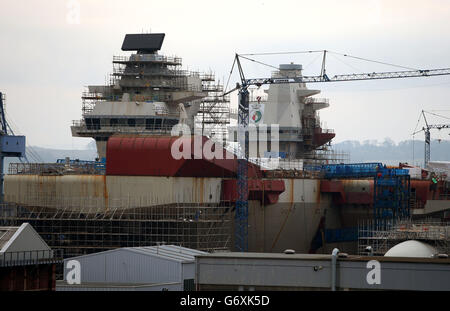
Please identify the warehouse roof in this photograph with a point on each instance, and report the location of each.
(169, 252)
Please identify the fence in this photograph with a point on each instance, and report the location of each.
(32, 257)
(171, 60)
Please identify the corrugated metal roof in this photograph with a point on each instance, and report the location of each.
(169, 252)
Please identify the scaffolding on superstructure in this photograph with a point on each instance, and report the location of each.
(156, 75)
(81, 226)
(214, 113)
(327, 155)
(431, 231)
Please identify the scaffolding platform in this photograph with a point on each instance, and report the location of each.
(90, 228)
(433, 232)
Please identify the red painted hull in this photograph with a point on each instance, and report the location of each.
(152, 156)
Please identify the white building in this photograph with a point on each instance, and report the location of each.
(155, 268)
(20, 245)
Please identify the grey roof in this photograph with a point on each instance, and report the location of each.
(6, 234)
(23, 238)
(268, 255)
(169, 252)
(238, 255)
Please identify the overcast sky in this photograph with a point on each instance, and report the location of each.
(47, 57)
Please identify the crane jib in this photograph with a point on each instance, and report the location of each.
(351, 77)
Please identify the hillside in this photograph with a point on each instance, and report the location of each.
(47, 155)
(391, 153)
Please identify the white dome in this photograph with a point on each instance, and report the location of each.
(412, 248)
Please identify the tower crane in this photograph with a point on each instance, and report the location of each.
(426, 129)
(241, 211)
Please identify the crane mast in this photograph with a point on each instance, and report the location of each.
(241, 213)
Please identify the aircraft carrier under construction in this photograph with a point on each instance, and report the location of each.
(138, 194)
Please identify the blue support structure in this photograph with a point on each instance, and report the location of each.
(391, 188)
(241, 212)
(391, 196)
(354, 170)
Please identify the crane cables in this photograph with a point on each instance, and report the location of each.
(373, 61)
(437, 115)
(327, 51)
(282, 53)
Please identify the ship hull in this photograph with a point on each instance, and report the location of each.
(183, 203)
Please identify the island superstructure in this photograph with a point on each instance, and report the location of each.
(292, 108)
(146, 94)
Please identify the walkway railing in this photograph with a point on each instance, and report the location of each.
(33, 257)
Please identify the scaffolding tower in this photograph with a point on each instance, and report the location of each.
(214, 113)
(391, 196)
